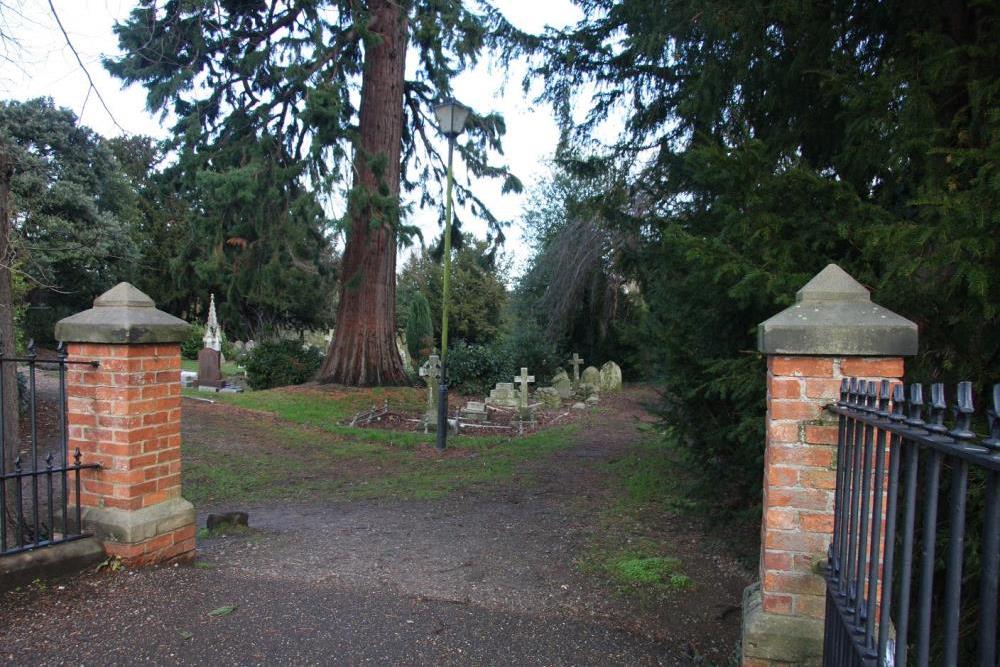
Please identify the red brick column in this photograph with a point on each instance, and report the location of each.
(125, 414)
(832, 331)
(800, 475)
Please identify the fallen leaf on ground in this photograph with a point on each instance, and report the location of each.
(223, 611)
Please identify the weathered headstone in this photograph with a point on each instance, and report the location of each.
(213, 333)
(503, 395)
(474, 411)
(548, 396)
(586, 390)
(209, 368)
(250, 345)
(576, 362)
(431, 373)
(591, 375)
(611, 377)
(562, 384)
(189, 378)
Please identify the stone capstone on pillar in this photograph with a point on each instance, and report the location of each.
(125, 415)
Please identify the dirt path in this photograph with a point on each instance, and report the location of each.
(485, 578)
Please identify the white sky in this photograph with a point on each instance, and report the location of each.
(45, 66)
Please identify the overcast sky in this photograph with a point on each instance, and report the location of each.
(44, 66)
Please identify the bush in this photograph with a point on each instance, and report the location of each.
(528, 346)
(281, 362)
(475, 369)
(191, 346)
(419, 330)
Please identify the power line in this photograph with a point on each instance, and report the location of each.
(83, 67)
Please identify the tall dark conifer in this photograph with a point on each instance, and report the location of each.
(290, 69)
(771, 138)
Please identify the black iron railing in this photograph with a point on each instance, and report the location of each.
(903, 580)
(35, 471)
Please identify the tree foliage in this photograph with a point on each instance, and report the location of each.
(74, 212)
(419, 329)
(477, 293)
(772, 138)
(270, 90)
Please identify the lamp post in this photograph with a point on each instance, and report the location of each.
(451, 117)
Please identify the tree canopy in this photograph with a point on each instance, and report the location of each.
(271, 88)
(73, 211)
(769, 139)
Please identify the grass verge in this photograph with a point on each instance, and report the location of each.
(306, 454)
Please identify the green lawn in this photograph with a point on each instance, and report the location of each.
(229, 368)
(308, 454)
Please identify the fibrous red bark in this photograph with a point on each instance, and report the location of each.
(363, 351)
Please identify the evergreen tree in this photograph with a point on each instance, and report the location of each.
(772, 138)
(72, 211)
(283, 76)
(419, 329)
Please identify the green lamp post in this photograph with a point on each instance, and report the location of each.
(451, 117)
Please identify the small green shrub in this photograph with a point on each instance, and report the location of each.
(528, 346)
(281, 362)
(191, 346)
(475, 369)
(419, 330)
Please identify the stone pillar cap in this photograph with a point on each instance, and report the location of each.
(122, 315)
(834, 315)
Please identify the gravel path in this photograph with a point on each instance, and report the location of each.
(480, 579)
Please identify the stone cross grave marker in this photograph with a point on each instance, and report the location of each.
(431, 372)
(524, 379)
(576, 361)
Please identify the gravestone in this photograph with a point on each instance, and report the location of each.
(250, 346)
(611, 377)
(524, 380)
(576, 362)
(209, 368)
(562, 384)
(474, 411)
(548, 396)
(431, 373)
(586, 390)
(591, 375)
(189, 378)
(503, 395)
(213, 333)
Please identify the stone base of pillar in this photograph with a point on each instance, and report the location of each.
(156, 534)
(777, 640)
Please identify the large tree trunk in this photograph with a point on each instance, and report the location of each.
(7, 347)
(363, 350)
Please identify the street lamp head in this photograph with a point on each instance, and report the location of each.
(451, 116)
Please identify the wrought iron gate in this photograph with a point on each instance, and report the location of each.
(891, 597)
(39, 484)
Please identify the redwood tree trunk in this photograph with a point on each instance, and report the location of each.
(363, 350)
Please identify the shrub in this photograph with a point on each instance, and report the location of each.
(528, 346)
(281, 362)
(475, 369)
(191, 346)
(419, 330)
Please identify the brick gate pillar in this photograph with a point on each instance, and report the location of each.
(833, 331)
(125, 415)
